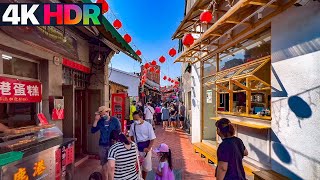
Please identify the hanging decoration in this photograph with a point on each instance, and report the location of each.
(176, 82)
(117, 24)
(145, 71)
(162, 59)
(153, 63)
(169, 79)
(105, 6)
(172, 52)
(146, 65)
(138, 52)
(187, 39)
(164, 77)
(158, 71)
(206, 17)
(127, 38)
(151, 69)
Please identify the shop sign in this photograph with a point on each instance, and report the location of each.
(75, 65)
(19, 91)
(39, 168)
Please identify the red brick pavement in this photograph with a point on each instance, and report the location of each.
(184, 157)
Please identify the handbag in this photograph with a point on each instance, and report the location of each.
(141, 145)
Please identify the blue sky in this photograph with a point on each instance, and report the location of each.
(151, 25)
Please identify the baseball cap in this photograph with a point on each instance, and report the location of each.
(103, 109)
(162, 148)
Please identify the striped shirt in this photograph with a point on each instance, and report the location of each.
(125, 161)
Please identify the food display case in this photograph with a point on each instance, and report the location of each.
(45, 154)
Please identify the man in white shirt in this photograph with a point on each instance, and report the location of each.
(143, 134)
(149, 112)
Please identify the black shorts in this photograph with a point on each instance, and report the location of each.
(173, 119)
(181, 118)
(165, 120)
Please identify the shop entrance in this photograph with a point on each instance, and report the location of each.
(79, 124)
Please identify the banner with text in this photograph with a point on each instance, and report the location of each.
(19, 91)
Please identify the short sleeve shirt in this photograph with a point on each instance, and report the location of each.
(231, 150)
(144, 132)
(125, 161)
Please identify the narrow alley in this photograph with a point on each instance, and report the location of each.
(187, 164)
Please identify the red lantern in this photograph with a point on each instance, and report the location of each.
(172, 52)
(138, 52)
(162, 59)
(146, 65)
(164, 77)
(176, 82)
(169, 79)
(105, 6)
(158, 71)
(152, 69)
(117, 24)
(127, 38)
(188, 39)
(172, 81)
(206, 17)
(154, 63)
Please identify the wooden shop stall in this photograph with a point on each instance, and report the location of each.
(30, 147)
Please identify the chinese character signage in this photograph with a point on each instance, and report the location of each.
(19, 91)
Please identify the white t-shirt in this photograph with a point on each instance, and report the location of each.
(148, 112)
(144, 132)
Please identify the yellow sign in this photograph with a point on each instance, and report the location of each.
(21, 174)
(39, 168)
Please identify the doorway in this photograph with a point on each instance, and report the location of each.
(79, 121)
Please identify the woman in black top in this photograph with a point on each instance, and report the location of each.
(173, 117)
(230, 153)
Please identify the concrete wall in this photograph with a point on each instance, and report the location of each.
(296, 92)
(126, 79)
(196, 103)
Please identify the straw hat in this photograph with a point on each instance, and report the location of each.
(103, 109)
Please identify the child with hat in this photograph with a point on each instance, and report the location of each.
(164, 170)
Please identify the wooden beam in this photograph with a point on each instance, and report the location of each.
(223, 88)
(237, 22)
(262, 3)
(230, 96)
(240, 85)
(248, 97)
(215, 34)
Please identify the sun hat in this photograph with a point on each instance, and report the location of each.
(162, 148)
(103, 109)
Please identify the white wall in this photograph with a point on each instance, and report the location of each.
(196, 103)
(296, 93)
(126, 79)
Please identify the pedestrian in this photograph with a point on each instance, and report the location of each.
(158, 114)
(165, 116)
(182, 111)
(164, 170)
(122, 159)
(173, 117)
(143, 134)
(230, 153)
(133, 109)
(105, 124)
(149, 113)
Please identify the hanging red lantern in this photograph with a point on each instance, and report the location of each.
(154, 63)
(176, 82)
(206, 17)
(152, 69)
(187, 39)
(138, 52)
(117, 24)
(127, 38)
(169, 79)
(162, 59)
(172, 52)
(158, 71)
(105, 6)
(146, 65)
(164, 77)
(172, 81)
(145, 71)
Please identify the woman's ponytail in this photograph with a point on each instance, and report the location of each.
(170, 159)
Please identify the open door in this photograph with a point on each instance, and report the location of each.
(94, 102)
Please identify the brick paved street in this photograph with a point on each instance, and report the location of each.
(187, 164)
